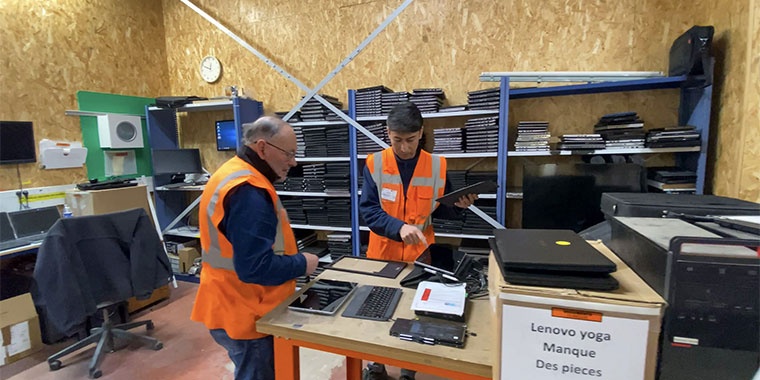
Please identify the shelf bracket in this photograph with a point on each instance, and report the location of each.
(568, 76)
(182, 215)
(485, 217)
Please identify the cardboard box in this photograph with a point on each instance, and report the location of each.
(159, 294)
(186, 257)
(20, 327)
(96, 202)
(553, 333)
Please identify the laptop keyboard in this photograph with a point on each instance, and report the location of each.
(374, 303)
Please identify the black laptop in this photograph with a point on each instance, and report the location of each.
(552, 258)
(31, 225)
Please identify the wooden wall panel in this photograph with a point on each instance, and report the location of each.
(52, 49)
(749, 188)
(61, 47)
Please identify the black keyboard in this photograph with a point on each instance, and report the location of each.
(109, 184)
(373, 302)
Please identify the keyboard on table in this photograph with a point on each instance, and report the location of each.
(373, 302)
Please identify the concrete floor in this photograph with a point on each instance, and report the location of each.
(189, 352)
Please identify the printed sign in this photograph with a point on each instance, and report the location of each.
(555, 344)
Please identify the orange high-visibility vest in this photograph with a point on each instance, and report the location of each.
(223, 301)
(428, 183)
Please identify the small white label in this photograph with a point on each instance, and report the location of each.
(2, 355)
(389, 195)
(691, 341)
(20, 341)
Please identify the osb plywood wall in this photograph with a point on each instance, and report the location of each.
(749, 187)
(148, 48)
(52, 49)
(447, 43)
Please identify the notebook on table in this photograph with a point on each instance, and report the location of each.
(553, 258)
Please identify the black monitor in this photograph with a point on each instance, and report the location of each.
(568, 196)
(17, 142)
(176, 161)
(226, 135)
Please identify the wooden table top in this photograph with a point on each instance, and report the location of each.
(373, 337)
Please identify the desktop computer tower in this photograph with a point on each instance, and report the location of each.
(711, 327)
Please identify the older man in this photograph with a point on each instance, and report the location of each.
(250, 257)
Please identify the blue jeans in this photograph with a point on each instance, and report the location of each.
(253, 358)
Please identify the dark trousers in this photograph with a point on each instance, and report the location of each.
(253, 358)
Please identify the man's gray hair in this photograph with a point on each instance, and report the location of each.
(263, 128)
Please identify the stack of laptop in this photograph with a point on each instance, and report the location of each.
(315, 141)
(473, 177)
(551, 258)
(428, 100)
(369, 100)
(338, 139)
(294, 207)
(24, 227)
(624, 130)
(392, 99)
(366, 146)
(532, 136)
(314, 178)
(457, 178)
(300, 142)
(313, 110)
(316, 211)
(673, 137)
(487, 99)
(337, 177)
(475, 225)
(339, 244)
(293, 119)
(338, 212)
(447, 140)
(587, 141)
(481, 134)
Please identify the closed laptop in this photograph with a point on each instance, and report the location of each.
(549, 250)
(551, 258)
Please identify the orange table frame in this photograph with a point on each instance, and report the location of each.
(287, 363)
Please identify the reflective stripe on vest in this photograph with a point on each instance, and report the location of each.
(213, 255)
(434, 181)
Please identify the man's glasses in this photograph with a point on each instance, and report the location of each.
(290, 155)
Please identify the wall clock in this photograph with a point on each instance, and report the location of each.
(211, 69)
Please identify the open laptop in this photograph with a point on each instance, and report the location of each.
(553, 258)
(33, 224)
(444, 260)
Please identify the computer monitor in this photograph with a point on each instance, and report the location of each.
(568, 196)
(176, 161)
(17, 142)
(226, 135)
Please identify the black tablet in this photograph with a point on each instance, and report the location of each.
(323, 297)
(478, 188)
(444, 260)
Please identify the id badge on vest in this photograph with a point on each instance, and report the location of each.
(389, 195)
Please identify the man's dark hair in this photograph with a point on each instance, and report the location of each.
(405, 118)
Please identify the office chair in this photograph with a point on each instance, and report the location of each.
(86, 264)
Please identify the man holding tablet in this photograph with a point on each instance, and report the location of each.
(401, 185)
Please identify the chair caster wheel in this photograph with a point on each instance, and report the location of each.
(149, 326)
(95, 374)
(55, 365)
(158, 346)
